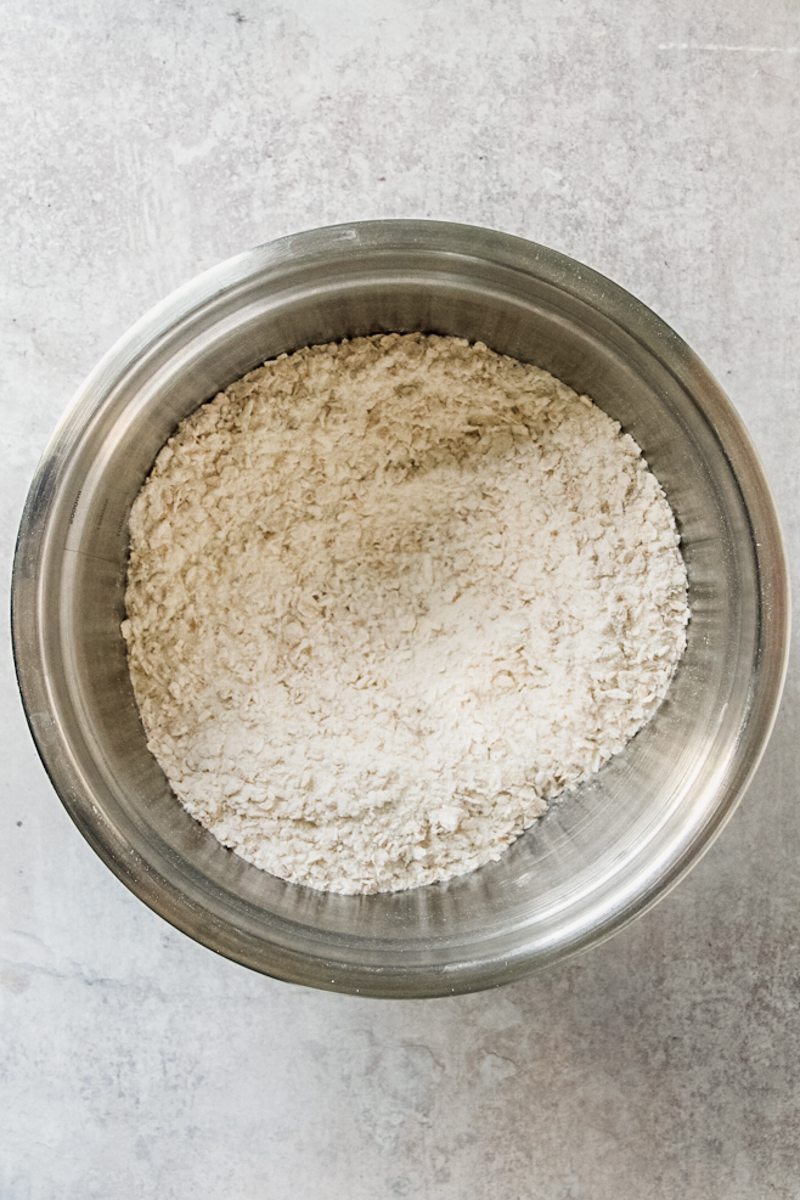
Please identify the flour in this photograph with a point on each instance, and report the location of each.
(387, 598)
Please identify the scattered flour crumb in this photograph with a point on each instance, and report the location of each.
(387, 598)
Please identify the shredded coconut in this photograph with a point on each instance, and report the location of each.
(389, 597)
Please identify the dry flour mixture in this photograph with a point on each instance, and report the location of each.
(389, 597)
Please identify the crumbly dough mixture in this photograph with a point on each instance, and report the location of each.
(387, 598)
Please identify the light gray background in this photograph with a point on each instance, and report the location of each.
(658, 142)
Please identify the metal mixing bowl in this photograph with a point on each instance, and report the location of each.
(597, 859)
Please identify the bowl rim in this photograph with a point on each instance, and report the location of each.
(365, 238)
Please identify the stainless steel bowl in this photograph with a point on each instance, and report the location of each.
(596, 860)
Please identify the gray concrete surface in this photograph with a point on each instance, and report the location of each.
(659, 142)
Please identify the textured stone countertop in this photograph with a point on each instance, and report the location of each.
(142, 142)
